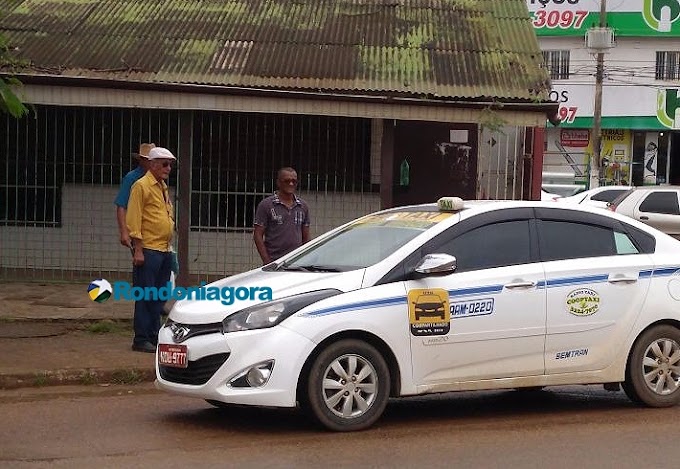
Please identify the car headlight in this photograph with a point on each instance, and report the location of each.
(273, 312)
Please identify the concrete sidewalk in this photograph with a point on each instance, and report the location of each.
(52, 333)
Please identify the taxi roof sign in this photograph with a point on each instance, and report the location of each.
(450, 204)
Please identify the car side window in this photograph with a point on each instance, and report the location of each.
(661, 202)
(570, 240)
(624, 245)
(493, 245)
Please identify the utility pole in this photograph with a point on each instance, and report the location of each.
(595, 159)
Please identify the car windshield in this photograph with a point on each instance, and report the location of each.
(365, 242)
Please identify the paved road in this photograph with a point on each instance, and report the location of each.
(138, 427)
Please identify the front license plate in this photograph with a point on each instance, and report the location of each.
(172, 355)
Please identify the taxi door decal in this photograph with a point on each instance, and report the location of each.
(429, 311)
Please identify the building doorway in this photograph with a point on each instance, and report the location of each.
(674, 158)
(434, 159)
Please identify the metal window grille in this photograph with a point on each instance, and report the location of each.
(237, 157)
(668, 65)
(557, 63)
(29, 193)
(60, 169)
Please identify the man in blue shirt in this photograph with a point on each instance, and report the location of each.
(123, 196)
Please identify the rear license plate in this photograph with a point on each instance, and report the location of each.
(172, 355)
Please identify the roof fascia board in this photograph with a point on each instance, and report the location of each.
(188, 97)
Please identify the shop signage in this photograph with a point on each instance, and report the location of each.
(577, 138)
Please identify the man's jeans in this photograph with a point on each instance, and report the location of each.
(155, 272)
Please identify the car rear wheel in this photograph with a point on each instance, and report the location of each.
(653, 374)
(348, 386)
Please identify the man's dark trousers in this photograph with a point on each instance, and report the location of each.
(155, 272)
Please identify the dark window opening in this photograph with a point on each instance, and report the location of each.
(667, 65)
(557, 63)
(661, 202)
(236, 158)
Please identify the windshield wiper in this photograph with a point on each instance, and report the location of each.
(288, 267)
(306, 268)
(318, 268)
(292, 268)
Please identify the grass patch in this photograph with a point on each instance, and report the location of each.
(107, 326)
(40, 379)
(126, 377)
(88, 378)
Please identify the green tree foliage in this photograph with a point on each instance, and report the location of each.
(9, 101)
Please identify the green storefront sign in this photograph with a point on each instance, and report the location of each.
(651, 18)
(668, 108)
(616, 122)
(667, 116)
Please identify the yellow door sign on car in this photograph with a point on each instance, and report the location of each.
(429, 312)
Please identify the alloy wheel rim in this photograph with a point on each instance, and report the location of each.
(661, 366)
(350, 386)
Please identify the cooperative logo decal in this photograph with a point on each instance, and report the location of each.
(661, 14)
(99, 290)
(429, 311)
(583, 302)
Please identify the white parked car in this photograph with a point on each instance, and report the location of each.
(598, 197)
(549, 196)
(434, 298)
(657, 206)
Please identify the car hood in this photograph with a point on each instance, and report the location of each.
(282, 284)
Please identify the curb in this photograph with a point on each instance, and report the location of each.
(78, 377)
(63, 320)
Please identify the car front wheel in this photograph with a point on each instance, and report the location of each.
(653, 373)
(348, 386)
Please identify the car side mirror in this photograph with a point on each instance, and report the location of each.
(437, 263)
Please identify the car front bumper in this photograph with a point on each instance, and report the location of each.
(215, 359)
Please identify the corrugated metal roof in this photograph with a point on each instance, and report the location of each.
(452, 49)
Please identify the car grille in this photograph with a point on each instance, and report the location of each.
(197, 372)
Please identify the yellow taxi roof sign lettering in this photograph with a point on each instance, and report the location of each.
(450, 204)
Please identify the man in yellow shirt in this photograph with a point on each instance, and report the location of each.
(150, 222)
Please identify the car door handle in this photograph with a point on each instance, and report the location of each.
(623, 279)
(521, 284)
(644, 218)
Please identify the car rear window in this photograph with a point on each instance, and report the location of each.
(608, 195)
(622, 197)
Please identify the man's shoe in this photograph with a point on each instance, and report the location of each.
(147, 347)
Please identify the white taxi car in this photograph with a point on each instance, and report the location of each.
(534, 294)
